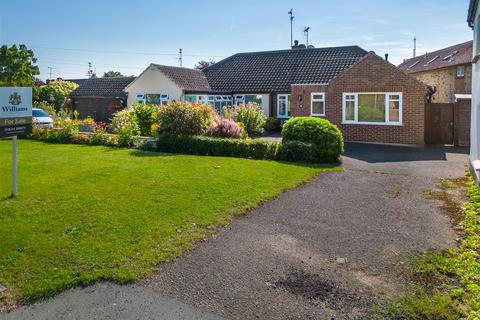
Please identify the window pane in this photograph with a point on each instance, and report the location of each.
(253, 99)
(318, 97)
(191, 99)
(282, 107)
(153, 99)
(394, 111)
(350, 110)
(371, 108)
(318, 107)
(394, 97)
(283, 102)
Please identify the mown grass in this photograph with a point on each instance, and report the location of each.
(86, 213)
(446, 285)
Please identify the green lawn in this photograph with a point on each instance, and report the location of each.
(90, 213)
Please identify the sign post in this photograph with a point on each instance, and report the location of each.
(15, 120)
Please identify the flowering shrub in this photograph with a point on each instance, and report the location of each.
(185, 118)
(99, 137)
(145, 116)
(124, 124)
(56, 92)
(64, 134)
(225, 128)
(251, 115)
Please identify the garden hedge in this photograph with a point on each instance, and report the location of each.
(223, 147)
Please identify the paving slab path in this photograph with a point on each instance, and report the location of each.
(325, 250)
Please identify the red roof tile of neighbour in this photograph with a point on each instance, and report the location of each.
(447, 57)
(187, 79)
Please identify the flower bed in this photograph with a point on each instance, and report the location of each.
(195, 129)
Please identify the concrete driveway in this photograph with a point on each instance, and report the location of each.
(326, 250)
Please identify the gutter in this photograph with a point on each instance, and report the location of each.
(471, 12)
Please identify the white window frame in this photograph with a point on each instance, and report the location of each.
(287, 106)
(462, 74)
(387, 109)
(312, 100)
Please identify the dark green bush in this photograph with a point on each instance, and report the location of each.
(324, 136)
(297, 151)
(273, 124)
(223, 147)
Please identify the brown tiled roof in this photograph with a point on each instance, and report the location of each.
(261, 72)
(447, 57)
(101, 87)
(187, 79)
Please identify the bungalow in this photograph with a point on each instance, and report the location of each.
(366, 96)
(474, 22)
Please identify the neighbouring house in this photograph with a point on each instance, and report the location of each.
(448, 74)
(367, 97)
(100, 98)
(448, 71)
(474, 22)
(159, 84)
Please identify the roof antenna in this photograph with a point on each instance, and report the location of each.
(291, 26)
(414, 47)
(180, 57)
(305, 32)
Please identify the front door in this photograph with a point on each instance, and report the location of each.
(283, 106)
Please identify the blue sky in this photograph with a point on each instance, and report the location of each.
(128, 35)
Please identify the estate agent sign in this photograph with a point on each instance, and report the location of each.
(15, 111)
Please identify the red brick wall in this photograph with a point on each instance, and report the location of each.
(371, 74)
(462, 115)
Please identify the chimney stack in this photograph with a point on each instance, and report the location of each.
(386, 56)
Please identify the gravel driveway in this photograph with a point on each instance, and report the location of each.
(326, 250)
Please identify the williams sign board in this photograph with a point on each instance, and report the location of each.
(15, 111)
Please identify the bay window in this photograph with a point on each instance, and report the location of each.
(317, 104)
(372, 108)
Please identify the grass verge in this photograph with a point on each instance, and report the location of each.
(87, 213)
(446, 285)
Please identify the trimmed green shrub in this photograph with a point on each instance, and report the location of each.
(297, 151)
(222, 147)
(273, 124)
(146, 117)
(250, 115)
(185, 118)
(321, 133)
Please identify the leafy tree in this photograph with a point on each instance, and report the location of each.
(113, 74)
(204, 64)
(56, 92)
(17, 66)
